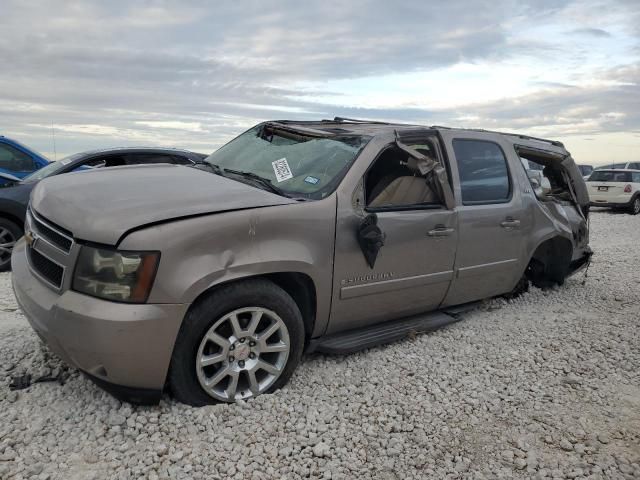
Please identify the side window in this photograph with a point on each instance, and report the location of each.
(636, 177)
(394, 181)
(14, 160)
(484, 175)
(148, 158)
(635, 166)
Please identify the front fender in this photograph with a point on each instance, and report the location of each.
(202, 252)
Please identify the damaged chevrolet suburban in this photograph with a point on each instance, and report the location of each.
(211, 280)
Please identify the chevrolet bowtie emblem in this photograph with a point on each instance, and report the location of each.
(31, 238)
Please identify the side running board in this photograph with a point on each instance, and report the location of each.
(460, 309)
(391, 331)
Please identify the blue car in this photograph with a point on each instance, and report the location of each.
(15, 192)
(16, 160)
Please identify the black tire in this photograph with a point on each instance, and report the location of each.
(183, 379)
(634, 208)
(544, 276)
(521, 287)
(9, 234)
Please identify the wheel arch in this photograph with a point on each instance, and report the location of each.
(634, 198)
(550, 261)
(12, 218)
(299, 286)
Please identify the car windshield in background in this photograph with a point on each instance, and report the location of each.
(51, 169)
(585, 169)
(612, 166)
(607, 176)
(297, 163)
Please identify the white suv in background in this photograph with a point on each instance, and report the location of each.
(615, 188)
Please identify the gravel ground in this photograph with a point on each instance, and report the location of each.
(545, 386)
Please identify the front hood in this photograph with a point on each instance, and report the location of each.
(103, 205)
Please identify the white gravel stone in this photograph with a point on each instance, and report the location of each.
(543, 386)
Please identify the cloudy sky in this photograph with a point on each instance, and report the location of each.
(194, 74)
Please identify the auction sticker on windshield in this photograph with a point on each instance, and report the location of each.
(282, 170)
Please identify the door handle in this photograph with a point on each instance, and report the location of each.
(440, 231)
(510, 223)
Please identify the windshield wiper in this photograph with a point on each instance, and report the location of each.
(261, 180)
(211, 166)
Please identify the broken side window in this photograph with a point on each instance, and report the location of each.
(546, 175)
(399, 180)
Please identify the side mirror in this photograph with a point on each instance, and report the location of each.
(370, 238)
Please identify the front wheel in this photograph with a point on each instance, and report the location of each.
(634, 209)
(238, 342)
(9, 234)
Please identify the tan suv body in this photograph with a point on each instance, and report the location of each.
(213, 282)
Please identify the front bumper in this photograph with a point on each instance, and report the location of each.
(127, 346)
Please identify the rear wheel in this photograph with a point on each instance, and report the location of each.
(9, 234)
(634, 209)
(240, 341)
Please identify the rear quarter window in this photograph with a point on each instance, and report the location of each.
(483, 172)
(604, 176)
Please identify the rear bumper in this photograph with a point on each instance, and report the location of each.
(582, 262)
(128, 346)
(619, 201)
(610, 205)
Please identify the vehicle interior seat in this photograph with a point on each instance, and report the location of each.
(405, 191)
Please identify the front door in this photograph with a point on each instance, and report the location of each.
(491, 221)
(414, 268)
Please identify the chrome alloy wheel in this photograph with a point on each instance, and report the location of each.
(242, 354)
(7, 242)
(636, 206)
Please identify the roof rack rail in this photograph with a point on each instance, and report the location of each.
(519, 135)
(356, 120)
(545, 140)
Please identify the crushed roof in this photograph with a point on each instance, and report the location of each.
(340, 125)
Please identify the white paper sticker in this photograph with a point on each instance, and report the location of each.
(282, 170)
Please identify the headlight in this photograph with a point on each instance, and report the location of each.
(114, 275)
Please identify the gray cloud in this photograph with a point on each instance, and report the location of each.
(593, 32)
(193, 74)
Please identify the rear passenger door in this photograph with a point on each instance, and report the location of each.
(491, 242)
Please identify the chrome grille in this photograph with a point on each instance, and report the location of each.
(49, 249)
(50, 232)
(47, 269)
